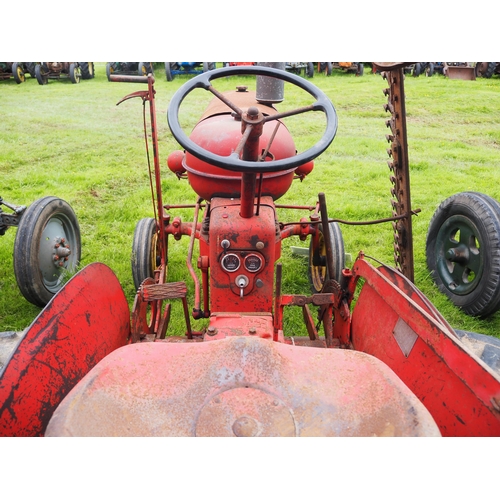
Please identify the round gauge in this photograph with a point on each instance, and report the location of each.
(253, 263)
(231, 262)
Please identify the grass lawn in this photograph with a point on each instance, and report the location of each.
(74, 142)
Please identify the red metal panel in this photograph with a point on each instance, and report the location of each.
(258, 238)
(456, 387)
(86, 320)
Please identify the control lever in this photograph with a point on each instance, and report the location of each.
(241, 282)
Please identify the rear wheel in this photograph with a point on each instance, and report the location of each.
(360, 70)
(41, 75)
(429, 71)
(74, 73)
(463, 252)
(317, 272)
(310, 70)
(87, 70)
(485, 69)
(47, 249)
(145, 251)
(417, 69)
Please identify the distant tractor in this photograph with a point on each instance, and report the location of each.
(190, 68)
(57, 70)
(423, 68)
(17, 70)
(129, 68)
(351, 67)
(300, 67)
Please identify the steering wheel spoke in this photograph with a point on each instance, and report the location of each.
(233, 162)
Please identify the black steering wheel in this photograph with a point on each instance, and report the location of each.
(233, 161)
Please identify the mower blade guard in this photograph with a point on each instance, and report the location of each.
(85, 321)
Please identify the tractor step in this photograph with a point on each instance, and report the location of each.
(163, 291)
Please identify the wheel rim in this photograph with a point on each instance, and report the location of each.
(460, 262)
(19, 74)
(318, 273)
(58, 237)
(155, 253)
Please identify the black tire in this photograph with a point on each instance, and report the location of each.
(168, 72)
(41, 75)
(109, 69)
(208, 66)
(18, 73)
(485, 69)
(74, 73)
(87, 70)
(145, 254)
(317, 270)
(417, 69)
(361, 69)
(48, 229)
(463, 252)
(429, 70)
(310, 70)
(144, 68)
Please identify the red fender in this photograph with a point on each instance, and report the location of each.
(85, 321)
(392, 322)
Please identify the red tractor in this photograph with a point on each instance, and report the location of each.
(378, 360)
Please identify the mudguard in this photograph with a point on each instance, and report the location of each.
(85, 321)
(393, 322)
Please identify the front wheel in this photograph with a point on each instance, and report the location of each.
(109, 69)
(74, 73)
(463, 252)
(144, 68)
(18, 73)
(47, 249)
(145, 251)
(41, 75)
(317, 271)
(326, 68)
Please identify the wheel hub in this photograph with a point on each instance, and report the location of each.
(61, 252)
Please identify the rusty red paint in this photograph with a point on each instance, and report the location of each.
(71, 335)
(240, 386)
(455, 386)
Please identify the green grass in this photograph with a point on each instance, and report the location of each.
(72, 141)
